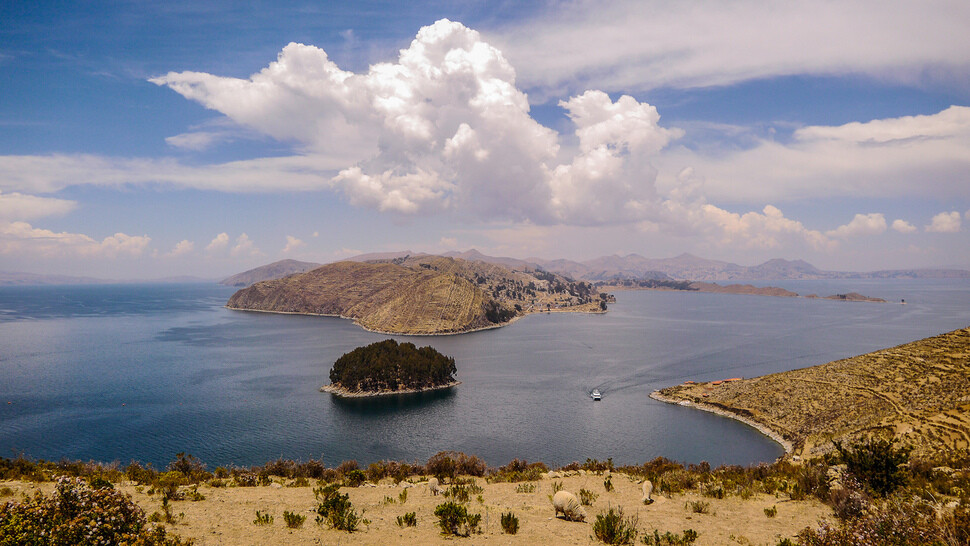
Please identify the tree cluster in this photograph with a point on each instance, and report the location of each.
(387, 365)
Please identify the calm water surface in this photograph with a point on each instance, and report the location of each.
(144, 371)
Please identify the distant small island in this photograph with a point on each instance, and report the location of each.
(387, 367)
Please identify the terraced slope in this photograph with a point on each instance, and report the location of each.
(420, 295)
(918, 392)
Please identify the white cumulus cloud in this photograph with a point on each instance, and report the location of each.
(903, 226)
(292, 243)
(21, 237)
(218, 243)
(182, 248)
(244, 247)
(945, 222)
(18, 206)
(861, 224)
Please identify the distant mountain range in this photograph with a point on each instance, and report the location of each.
(605, 268)
(16, 278)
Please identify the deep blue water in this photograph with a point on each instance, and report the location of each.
(116, 373)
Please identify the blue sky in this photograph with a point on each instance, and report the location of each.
(206, 138)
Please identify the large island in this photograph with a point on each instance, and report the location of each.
(421, 295)
(387, 367)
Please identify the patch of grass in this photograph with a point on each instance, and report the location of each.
(6, 492)
(611, 527)
(771, 512)
(409, 519)
(403, 496)
(557, 487)
(608, 483)
(263, 519)
(293, 520)
(454, 519)
(510, 523)
(587, 497)
(336, 510)
(458, 492)
(699, 507)
(670, 539)
(525, 488)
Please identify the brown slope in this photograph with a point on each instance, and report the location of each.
(384, 297)
(918, 392)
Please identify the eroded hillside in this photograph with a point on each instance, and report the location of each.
(918, 392)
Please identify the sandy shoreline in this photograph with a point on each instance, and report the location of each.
(344, 393)
(773, 435)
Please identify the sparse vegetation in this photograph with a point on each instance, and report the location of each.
(510, 523)
(670, 539)
(454, 519)
(263, 519)
(771, 512)
(293, 520)
(611, 527)
(409, 519)
(335, 509)
(699, 507)
(525, 488)
(587, 497)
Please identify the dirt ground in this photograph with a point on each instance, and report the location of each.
(227, 514)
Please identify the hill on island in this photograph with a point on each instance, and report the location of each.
(918, 393)
(386, 367)
(420, 295)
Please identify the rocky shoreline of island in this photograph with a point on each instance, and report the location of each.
(342, 392)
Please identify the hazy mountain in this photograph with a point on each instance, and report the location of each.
(8, 278)
(275, 270)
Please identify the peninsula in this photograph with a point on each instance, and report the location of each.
(387, 367)
(421, 295)
(916, 393)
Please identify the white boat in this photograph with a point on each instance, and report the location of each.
(596, 395)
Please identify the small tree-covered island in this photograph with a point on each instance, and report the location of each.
(387, 367)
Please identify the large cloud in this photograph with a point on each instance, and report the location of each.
(637, 45)
(445, 128)
(21, 237)
(910, 156)
(18, 206)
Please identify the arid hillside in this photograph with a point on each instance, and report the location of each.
(918, 393)
(420, 295)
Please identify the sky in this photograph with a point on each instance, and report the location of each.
(142, 140)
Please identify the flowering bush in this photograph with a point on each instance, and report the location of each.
(76, 514)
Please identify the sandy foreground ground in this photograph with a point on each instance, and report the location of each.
(227, 514)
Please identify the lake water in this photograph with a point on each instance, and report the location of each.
(123, 372)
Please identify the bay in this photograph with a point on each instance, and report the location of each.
(141, 372)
